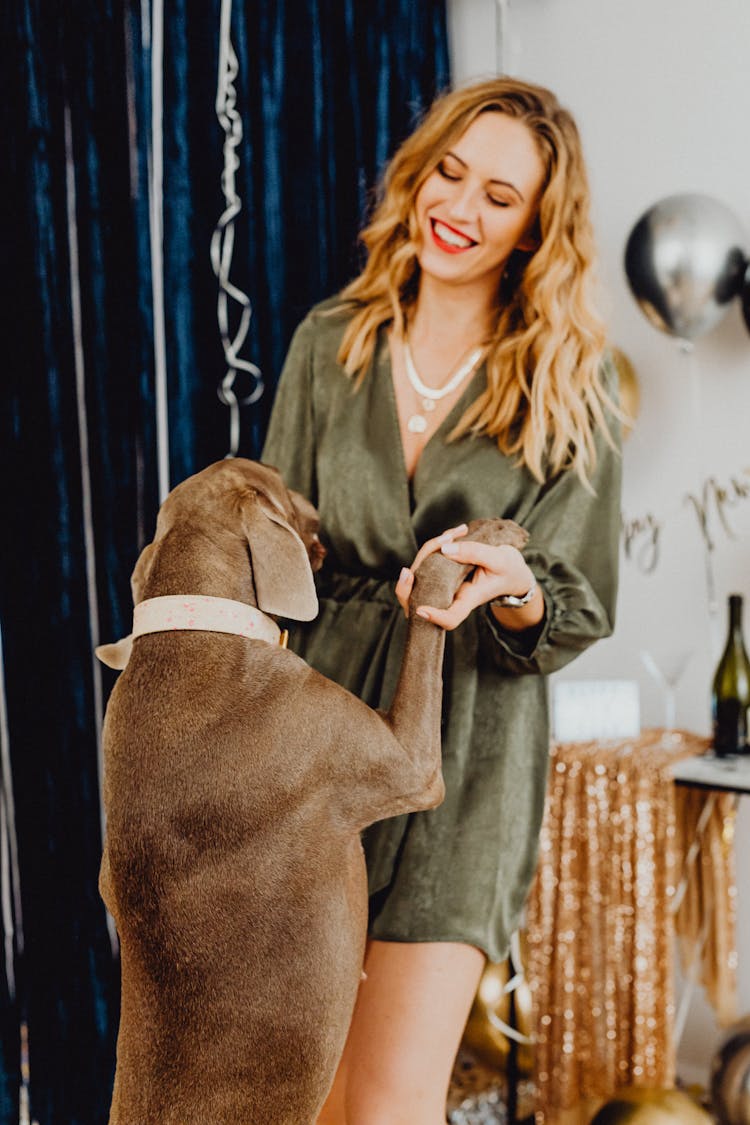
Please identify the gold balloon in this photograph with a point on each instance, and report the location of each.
(630, 393)
(645, 1106)
(483, 1037)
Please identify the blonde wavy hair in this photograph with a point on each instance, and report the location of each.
(545, 398)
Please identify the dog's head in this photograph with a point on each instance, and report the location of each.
(233, 500)
(246, 499)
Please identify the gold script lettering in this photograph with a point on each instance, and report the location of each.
(641, 541)
(718, 497)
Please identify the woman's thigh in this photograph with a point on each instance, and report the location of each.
(407, 1026)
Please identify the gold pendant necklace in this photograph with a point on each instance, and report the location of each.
(417, 423)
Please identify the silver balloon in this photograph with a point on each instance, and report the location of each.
(730, 1076)
(746, 297)
(685, 262)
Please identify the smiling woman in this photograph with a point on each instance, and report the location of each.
(481, 198)
(460, 376)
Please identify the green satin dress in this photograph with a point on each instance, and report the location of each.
(460, 872)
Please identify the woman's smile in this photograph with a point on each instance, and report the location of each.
(448, 239)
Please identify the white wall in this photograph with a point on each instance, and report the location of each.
(661, 92)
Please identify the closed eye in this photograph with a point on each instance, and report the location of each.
(445, 173)
(498, 202)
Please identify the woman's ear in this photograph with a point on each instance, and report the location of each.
(531, 241)
(282, 574)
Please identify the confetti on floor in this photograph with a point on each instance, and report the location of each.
(477, 1094)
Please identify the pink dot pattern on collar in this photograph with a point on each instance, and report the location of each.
(202, 612)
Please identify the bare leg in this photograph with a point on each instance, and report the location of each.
(407, 1027)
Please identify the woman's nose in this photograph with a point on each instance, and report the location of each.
(464, 201)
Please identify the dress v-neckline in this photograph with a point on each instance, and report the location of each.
(385, 369)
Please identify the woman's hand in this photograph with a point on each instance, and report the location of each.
(497, 570)
(432, 546)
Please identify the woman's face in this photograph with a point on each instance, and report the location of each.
(480, 202)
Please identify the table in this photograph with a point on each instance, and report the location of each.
(729, 775)
(634, 870)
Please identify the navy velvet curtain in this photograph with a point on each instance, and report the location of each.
(325, 90)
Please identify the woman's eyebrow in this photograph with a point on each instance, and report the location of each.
(500, 183)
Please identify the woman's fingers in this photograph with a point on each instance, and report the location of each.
(479, 554)
(405, 581)
(432, 546)
(500, 569)
(404, 588)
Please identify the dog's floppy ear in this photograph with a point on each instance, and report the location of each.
(116, 655)
(282, 573)
(141, 571)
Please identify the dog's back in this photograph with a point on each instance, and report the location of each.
(214, 829)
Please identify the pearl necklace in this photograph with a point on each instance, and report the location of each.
(417, 423)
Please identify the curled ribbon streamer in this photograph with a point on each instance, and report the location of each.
(514, 983)
(10, 875)
(222, 239)
(5, 896)
(501, 35)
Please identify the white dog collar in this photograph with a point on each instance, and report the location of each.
(216, 615)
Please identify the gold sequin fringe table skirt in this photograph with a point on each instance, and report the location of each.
(603, 932)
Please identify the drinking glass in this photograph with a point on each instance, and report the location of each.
(667, 668)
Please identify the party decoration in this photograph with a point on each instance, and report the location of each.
(490, 1027)
(730, 1076)
(502, 29)
(222, 240)
(651, 1107)
(746, 297)
(719, 497)
(641, 541)
(707, 889)
(600, 919)
(684, 260)
(711, 503)
(630, 393)
(156, 244)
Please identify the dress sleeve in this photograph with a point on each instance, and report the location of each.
(573, 551)
(290, 441)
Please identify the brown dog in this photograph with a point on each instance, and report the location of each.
(237, 781)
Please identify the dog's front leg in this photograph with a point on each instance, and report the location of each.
(409, 734)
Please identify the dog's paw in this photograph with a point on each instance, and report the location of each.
(436, 581)
(438, 578)
(498, 533)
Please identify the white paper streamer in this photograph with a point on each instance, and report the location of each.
(222, 239)
(10, 878)
(512, 985)
(156, 233)
(693, 969)
(83, 451)
(502, 10)
(698, 445)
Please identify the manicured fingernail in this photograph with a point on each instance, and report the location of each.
(421, 612)
(405, 574)
(447, 536)
(449, 548)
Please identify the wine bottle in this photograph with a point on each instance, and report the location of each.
(730, 696)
